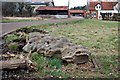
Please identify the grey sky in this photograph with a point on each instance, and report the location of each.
(57, 2)
(72, 2)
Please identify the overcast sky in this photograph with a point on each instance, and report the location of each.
(58, 2)
(72, 2)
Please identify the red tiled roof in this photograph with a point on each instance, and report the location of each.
(105, 5)
(92, 5)
(76, 11)
(52, 8)
(108, 5)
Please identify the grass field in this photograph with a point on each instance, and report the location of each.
(101, 39)
(7, 21)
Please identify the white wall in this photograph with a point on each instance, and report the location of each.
(61, 16)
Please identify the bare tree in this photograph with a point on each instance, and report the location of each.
(8, 8)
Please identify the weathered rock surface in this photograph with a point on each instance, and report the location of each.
(49, 46)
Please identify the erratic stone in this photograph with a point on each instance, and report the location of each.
(51, 46)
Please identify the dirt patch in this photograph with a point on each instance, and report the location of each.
(22, 18)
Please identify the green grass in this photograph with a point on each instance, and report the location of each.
(15, 20)
(108, 65)
(55, 63)
(10, 38)
(100, 37)
(13, 46)
(48, 66)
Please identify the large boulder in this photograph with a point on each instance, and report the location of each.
(50, 46)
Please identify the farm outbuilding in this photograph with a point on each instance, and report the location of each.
(58, 11)
(52, 10)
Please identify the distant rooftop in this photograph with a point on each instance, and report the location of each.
(105, 5)
(53, 8)
(76, 11)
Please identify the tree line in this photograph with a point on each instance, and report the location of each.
(79, 8)
(19, 9)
